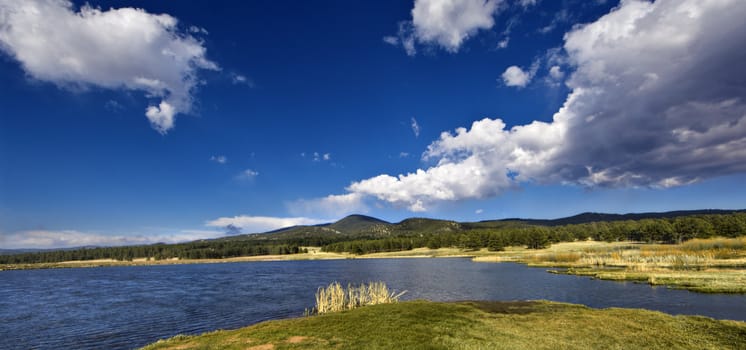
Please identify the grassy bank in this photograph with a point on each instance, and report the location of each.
(314, 253)
(477, 325)
(711, 266)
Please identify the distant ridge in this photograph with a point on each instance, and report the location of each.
(362, 227)
(41, 250)
(595, 217)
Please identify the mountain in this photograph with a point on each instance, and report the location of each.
(18, 251)
(361, 224)
(596, 217)
(363, 227)
(420, 225)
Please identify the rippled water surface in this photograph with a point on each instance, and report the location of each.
(128, 307)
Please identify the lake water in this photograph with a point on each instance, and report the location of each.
(129, 307)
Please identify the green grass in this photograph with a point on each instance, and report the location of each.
(477, 325)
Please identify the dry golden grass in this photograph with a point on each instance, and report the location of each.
(716, 265)
(335, 298)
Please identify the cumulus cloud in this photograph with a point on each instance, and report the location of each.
(444, 23)
(657, 99)
(123, 48)
(46, 239)
(515, 76)
(257, 224)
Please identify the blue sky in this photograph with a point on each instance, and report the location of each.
(126, 122)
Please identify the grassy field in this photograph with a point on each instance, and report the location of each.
(477, 325)
(711, 266)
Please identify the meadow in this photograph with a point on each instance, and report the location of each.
(714, 265)
(473, 325)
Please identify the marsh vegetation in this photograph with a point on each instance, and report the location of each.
(714, 265)
(335, 298)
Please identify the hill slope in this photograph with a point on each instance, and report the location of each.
(362, 227)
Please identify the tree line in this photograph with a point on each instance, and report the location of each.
(674, 230)
(192, 250)
(670, 231)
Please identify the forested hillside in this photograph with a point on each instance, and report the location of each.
(359, 234)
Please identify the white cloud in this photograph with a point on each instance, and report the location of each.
(657, 99)
(479, 211)
(403, 154)
(46, 239)
(449, 22)
(560, 17)
(317, 157)
(329, 206)
(391, 40)
(239, 79)
(124, 48)
(528, 3)
(248, 174)
(470, 164)
(258, 224)
(405, 37)
(556, 73)
(445, 23)
(113, 106)
(502, 44)
(198, 30)
(515, 76)
(415, 127)
(220, 159)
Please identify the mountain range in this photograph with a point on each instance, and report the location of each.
(362, 227)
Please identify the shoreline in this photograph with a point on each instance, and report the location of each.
(314, 254)
(709, 276)
(533, 324)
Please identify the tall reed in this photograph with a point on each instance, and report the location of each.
(335, 298)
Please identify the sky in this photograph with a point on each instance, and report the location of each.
(135, 122)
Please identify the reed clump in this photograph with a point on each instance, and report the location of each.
(335, 298)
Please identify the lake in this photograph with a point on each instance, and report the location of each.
(129, 307)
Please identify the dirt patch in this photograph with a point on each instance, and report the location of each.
(268, 346)
(296, 339)
(504, 307)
